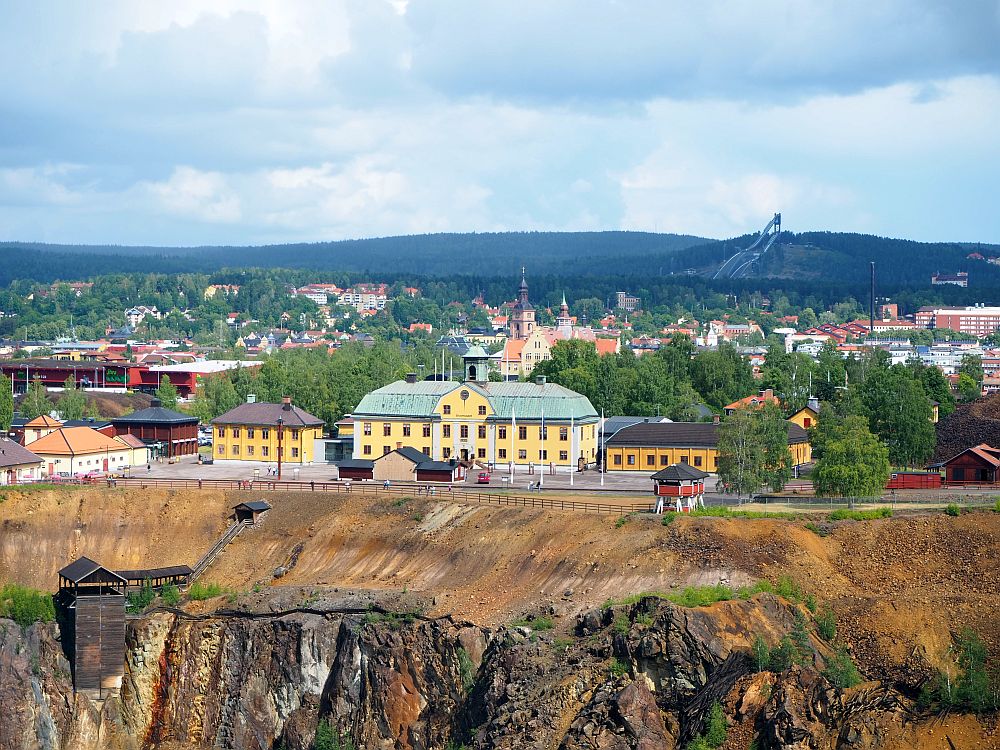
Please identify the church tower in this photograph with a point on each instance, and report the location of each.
(522, 319)
(564, 323)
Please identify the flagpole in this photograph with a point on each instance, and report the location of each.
(513, 428)
(541, 473)
(604, 455)
(572, 450)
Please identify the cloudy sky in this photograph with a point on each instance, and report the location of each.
(236, 121)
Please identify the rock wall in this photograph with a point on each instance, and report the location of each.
(642, 676)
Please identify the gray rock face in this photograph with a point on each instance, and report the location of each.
(633, 678)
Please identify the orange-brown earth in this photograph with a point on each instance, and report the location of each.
(900, 587)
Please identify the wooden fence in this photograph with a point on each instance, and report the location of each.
(445, 492)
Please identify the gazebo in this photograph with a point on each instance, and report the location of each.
(682, 482)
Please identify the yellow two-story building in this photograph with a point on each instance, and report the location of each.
(261, 432)
(536, 423)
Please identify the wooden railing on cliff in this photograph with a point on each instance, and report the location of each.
(444, 493)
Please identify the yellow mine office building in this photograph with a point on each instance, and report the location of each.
(477, 420)
(651, 446)
(258, 431)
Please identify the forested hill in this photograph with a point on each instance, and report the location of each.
(828, 257)
(500, 254)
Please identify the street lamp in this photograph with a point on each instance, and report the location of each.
(281, 424)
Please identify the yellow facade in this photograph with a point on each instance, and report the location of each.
(805, 418)
(243, 442)
(631, 458)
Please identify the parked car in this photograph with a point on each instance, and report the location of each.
(204, 441)
(484, 478)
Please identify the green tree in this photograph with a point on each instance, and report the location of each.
(36, 401)
(753, 450)
(968, 389)
(937, 387)
(899, 413)
(6, 402)
(854, 463)
(167, 393)
(972, 365)
(721, 376)
(72, 402)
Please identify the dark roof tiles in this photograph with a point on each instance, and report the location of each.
(261, 413)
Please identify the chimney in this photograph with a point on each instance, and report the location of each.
(155, 402)
(539, 380)
(715, 419)
(251, 398)
(411, 377)
(767, 393)
(286, 403)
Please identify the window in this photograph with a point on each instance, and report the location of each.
(221, 451)
(385, 449)
(502, 433)
(563, 434)
(664, 460)
(650, 460)
(807, 422)
(222, 432)
(386, 429)
(463, 432)
(265, 433)
(367, 450)
(236, 450)
(481, 453)
(427, 451)
(563, 456)
(715, 461)
(522, 433)
(543, 455)
(482, 432)
(295, 434)
(618, 459)
(684, 459)
(367, 429)
(522, 455)
(697, 460)
(543, 433)
(446, 452)
(631, 460)
(265, 451)
(406, 430)
(295, 452)
(249, 450)
(236, 432)
(446, 430)
(447, 409)
(427, 430)
(250, 432)
(482, 410)
(502, 454)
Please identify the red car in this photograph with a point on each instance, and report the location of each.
(484, 478)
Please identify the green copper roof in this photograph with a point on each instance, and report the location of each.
(532, 401)
(402, 399)
(527, 401)
(476, 352)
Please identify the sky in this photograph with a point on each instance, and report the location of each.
(250, 122)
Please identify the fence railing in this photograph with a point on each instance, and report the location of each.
(209, 557)
(446, 492)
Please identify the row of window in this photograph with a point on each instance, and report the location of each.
(616, 460)
(522, 431)
(249, 451)
(265, 433)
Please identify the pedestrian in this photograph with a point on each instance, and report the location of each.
(149, 468)
(385, 484)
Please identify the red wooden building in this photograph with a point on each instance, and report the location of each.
(914, 480)
(679, 480)
(977, 465)
(169, 432)
(91, 375)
